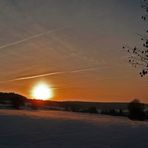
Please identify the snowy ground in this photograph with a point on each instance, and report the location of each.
(57, 129)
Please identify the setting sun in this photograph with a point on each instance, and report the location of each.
(42, 91)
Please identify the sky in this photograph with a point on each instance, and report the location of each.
(73, 45)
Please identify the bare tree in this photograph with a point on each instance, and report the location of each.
(139, 56)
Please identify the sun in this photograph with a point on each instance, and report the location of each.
(42, 91)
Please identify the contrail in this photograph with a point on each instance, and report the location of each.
(83, 70)
(73, 52)
(36, 76)
(49, 74)
(29, 38)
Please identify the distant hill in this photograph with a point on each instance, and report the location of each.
(12, 99)
(16, 100)
(8, 97)
(99, 105)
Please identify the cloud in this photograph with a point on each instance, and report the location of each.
(30, 38)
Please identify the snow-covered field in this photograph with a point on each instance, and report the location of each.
(57, 129)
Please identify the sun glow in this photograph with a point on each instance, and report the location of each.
(42, 91)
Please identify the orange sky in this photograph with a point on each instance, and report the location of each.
(74, 46)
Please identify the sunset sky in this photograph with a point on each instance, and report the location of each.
(73, 45)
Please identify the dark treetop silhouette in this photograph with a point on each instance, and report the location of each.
(139, 56)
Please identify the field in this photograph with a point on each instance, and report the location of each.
(57, 129)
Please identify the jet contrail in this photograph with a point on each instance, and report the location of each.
(36, 76)
(49, 74)
(29, 38)
(83, 70)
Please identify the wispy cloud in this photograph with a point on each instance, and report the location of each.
(73, 52)
(30, 38)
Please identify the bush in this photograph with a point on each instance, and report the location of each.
(136, 110)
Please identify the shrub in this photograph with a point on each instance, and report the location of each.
(136, 110)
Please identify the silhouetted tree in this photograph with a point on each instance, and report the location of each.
(136, 110)
(139, 56)
(121, 112)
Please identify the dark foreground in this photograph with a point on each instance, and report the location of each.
(57, 129)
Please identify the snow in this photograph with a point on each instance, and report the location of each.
(59, 129)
